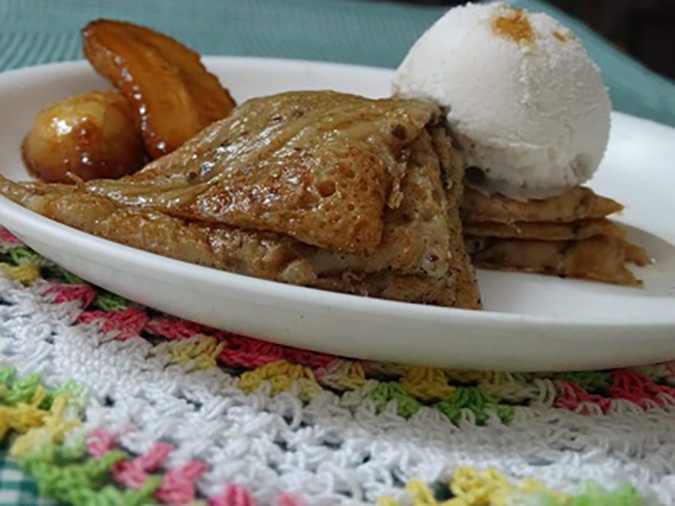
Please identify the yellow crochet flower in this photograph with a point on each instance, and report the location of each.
(344, 375)
(420, 494)
(201, 351)
(23, 416)
(37, 426)
(25, 273)
(479, 488)
(282, 376)
(427, 383)
(472, 487)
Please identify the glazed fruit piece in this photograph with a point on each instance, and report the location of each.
(90, 136)
(173, 94)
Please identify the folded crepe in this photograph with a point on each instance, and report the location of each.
(318, 189)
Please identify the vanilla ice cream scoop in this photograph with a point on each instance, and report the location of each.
(524, 99)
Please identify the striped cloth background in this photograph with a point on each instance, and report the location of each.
(353, 31)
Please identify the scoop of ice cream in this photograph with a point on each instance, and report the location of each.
(524, 99)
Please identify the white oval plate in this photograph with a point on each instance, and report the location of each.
(530, 322)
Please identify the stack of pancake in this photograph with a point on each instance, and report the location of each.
(569, 235)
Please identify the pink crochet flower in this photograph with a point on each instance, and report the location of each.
(128, 322)
(100, 442)
(233, 495)
(7, 237)
(571, 395)
(249, 352)
(133, 473)
(288, 499)
(173, 328)
(307, 358)
(178, 485)
(638, 388)
(67, 293)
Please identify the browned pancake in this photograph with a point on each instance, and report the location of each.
(598, 258)
(577, 230)
(567, 235)
(254, 253)
(577, 204)
(318, 166)
(468, 293)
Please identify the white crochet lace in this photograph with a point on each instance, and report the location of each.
(333, 450)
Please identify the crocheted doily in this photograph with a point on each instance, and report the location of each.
(107, 402)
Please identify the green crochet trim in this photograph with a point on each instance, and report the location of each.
(107, 301)
(592, 494)
(56, 273)
(481, 404)
(383, 393)
(69, 475)
(595, 382)
(15, 390)
(22, 255)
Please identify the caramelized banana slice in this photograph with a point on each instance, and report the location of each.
(172, 92)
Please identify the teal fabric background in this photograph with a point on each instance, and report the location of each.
(353, 31)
